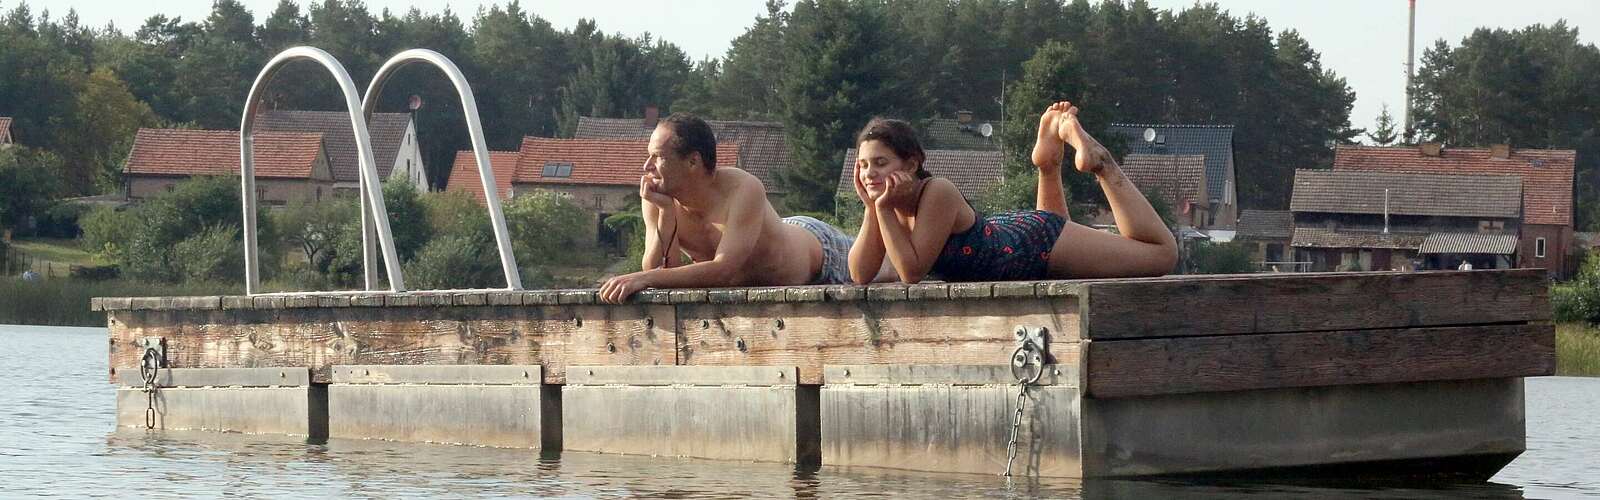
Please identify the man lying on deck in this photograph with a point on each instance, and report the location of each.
(720, 217)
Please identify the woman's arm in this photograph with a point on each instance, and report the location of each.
(913, 250)
(866, 254)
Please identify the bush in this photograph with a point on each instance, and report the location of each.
(1206, 257)
(106, 232)
(452, 262)
(546, 228)
(1579, 299)
(95, 273)
(214, 254)
(144, 241)
(60, 221)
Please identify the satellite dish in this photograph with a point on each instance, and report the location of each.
(986, 130)
(1149, 135)
(414, 103)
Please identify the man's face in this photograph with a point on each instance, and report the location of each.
(666, 168)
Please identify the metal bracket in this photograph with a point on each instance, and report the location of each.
(1033, 352)
(159, 345)
(1039, 336)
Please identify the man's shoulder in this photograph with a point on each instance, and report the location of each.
(735, 179)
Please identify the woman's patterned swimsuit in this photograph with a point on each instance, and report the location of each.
(1001, 247)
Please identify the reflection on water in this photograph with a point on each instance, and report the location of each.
(57, 439)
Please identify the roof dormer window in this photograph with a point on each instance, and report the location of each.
(557, 169)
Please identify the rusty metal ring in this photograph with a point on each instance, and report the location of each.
(149, 364)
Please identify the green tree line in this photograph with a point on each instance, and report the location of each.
(821, 67)
(1532, 88)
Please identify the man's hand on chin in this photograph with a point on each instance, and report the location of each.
(619, 288)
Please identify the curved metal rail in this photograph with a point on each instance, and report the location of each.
(368, 178)
(480, 152)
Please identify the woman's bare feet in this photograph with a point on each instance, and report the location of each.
(1048, 146)
(1091, 157)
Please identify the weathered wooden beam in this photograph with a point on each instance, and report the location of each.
(1179, 365)
(1184, 306)
(893, 331)
(552, 336)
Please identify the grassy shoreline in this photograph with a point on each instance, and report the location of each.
(1577, 350)
(65, 302)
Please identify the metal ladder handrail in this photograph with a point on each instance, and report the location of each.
(368, 172)
(480, 151)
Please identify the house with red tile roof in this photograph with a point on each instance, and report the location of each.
(600, 175)
(763, 145)
(1353, 220)
(289, 166)
(5, 130)
(1545, 235)
(394, 143)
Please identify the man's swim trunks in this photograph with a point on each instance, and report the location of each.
(835, 250)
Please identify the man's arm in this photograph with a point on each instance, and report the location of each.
(660, 223)
(743, 215)
(660, 214)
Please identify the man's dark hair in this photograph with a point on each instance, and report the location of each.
(900, 137)
(690, 134)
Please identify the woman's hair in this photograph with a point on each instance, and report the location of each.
(900, 137)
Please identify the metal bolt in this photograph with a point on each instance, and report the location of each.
(1021, 333)
(740, 343)
(846, 372)
(611, 347)
(524, 374)
(704, 324)
(780, 323)
(282, 375)
(577, 321)
(649, 322)
(780, 373)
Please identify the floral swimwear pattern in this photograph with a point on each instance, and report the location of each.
(1001, 247)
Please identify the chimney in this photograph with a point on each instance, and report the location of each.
(1500, 151)
(652, 115)
(963, 117)
(1433, 149)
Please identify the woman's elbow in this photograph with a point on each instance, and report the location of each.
(860, 279)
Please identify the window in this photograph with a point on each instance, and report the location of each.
(557, 169)
(599, 201)
(1538, 248)
(1491, 225)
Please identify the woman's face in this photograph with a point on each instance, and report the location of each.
(875, 161)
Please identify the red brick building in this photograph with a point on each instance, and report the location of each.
(600, 175)
(290, 166)
(1546, 233)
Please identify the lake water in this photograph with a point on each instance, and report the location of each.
(58, 439)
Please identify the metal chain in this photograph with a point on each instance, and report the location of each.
(1016, 424)
(148, 367)
(1027, 355)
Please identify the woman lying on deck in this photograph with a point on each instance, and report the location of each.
(922, 224)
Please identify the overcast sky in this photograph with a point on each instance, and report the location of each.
(1362, 40)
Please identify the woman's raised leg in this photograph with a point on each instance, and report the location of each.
(1145, 246)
